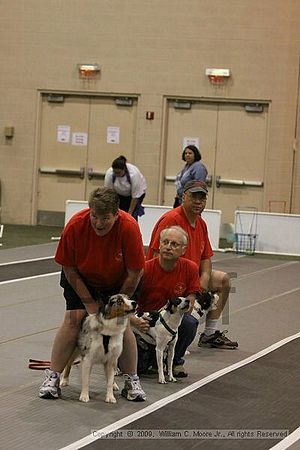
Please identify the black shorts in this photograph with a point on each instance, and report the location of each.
(125, 204)
(73, 301)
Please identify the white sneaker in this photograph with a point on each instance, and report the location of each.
(50, 387)
(132, 389)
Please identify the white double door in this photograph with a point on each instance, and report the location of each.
(233, 145)
(79, 139)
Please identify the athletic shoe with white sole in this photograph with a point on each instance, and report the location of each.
(217, 340)
(50, 387)
(179, 371)
(132, 389)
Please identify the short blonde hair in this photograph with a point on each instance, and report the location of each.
(104, 200)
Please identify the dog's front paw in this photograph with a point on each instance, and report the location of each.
(64, 382)
(110, 399)
(172, 379)
(162, 380)
(84, 397)
(115, 387)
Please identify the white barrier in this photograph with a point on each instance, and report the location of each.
(72, 207)
(152, 214)
(1, 233)
(276, 233)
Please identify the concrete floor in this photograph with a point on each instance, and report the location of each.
(264, 309)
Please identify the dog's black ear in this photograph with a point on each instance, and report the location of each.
(173, 303)
(168, 306)
(204, 299)
(153, 316)
(177, 301)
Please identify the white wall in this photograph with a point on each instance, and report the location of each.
(276, 233)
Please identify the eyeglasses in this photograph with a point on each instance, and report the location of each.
(173, 244)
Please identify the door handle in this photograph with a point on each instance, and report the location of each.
(93, 174)
(226, 182)
(209, 180)
(64, 172)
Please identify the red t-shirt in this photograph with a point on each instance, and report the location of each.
(198, 248)
(102, 261)
(158, 286)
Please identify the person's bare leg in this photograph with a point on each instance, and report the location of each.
(212, 336)
(128, 358)
(62, 350)
(219, 283)
(65, 339)
(128, 364)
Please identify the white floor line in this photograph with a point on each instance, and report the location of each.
(54, 273)
(16, 280)
(18, 338)
(216, 260)
(26, 260)
(266, 300)
(171, 398)
(268, 269)
(288, 441)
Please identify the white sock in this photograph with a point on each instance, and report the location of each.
(211, 326)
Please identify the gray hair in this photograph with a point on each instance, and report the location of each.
(184, 235)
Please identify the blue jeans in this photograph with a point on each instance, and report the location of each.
(186, 334)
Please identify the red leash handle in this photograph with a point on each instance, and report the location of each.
(42, 364)
(38, 364)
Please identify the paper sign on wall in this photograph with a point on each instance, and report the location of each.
(113, 135)
(63, 133)
(190, 141)
(79, 138)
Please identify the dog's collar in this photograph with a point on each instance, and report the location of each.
(172, 332)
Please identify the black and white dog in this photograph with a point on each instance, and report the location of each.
(205, 301)
(101, 341)
(163, 333)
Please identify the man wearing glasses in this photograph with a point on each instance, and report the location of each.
(188, 216)
(166, 277)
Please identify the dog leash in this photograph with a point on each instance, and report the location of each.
(42, 364)
(172, 332)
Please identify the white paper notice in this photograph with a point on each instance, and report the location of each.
(79, 138)
(63, 133)
(190, 141)
(113, 135)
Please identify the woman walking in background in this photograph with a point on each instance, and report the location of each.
(194, 169)
(129, 183)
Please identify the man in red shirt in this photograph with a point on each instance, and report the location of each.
(199, 250)
(101, 253)
(168, 276)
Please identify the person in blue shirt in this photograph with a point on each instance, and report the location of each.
(194, 169)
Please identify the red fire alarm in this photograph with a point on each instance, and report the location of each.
(150, 115)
